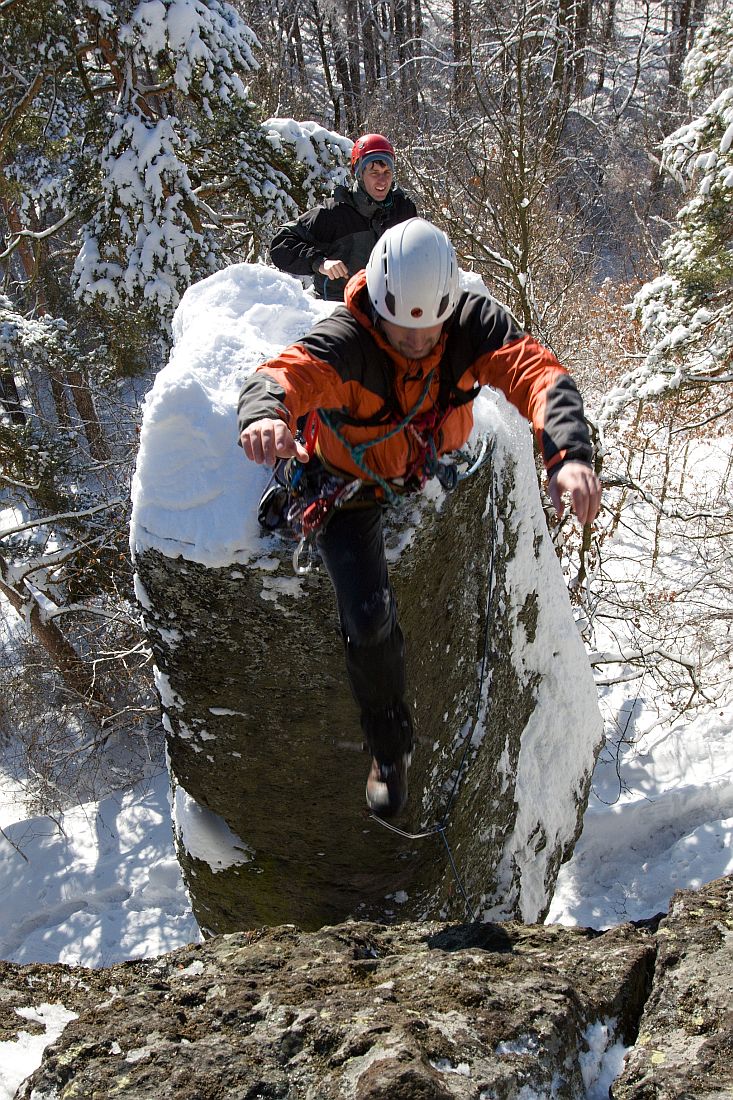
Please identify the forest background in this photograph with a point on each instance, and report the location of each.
(577, 152)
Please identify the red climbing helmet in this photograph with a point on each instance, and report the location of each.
(371, 147)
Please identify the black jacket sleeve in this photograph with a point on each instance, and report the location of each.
(261, 396)
(295, 248)
(338, 229)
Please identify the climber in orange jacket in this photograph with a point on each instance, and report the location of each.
(391, 376)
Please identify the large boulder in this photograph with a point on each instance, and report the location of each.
(419, 1011)
(685, 1044)
(264, 743)
(357, 1011)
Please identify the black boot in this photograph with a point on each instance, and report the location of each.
(386, 789)
(389, 739)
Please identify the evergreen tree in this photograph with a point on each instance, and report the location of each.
(132, 158)
(686, 313)
(132, 161)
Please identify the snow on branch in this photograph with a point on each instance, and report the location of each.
(686, 314)
(141, 242)
(208, 43)
(60, 517)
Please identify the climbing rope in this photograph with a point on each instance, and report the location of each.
(448, 473)
(439, 829)
(358, 450)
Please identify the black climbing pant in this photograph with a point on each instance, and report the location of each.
(352, 547)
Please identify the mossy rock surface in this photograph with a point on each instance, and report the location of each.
(264, 734)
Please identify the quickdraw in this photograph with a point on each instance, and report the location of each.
(308, 517)
(308, 513)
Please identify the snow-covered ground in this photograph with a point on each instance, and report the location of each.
(100, 883)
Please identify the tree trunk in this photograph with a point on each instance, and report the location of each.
(9, 396)
(606, 40)
(460, 49)
(341, 63)
(679, 42)
(370, 47)
(84, 402)
(332, 91)
(582, 25)
(353, 39)
(66, 660)
(290, 30)
(418, 51)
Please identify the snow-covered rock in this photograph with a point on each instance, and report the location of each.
(263, 736)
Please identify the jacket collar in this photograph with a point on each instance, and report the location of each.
(357, 197)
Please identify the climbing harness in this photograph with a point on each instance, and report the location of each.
(304, 499)
(422, 429)
(308, 517)
(357, 451)
(301, 498)
(449, 474)
(439, 829)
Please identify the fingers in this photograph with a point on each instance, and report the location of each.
(588, 503)
(335, 269)
(582, 485)
(298, 452)
(266, 440)
(556, 497)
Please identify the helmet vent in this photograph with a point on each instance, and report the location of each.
(443, 305)
(390, 303)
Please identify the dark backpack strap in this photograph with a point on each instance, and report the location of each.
(382, 416)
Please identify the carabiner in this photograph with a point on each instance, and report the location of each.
(310, 565)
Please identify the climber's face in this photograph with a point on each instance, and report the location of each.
(376, 179)
(413, 343)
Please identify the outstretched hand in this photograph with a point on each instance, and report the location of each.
(266, 440)
(583, 486)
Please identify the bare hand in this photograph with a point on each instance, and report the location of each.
(266, 440)
(334, 269)
(583, 486)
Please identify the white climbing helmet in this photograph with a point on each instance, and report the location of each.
(412, 275)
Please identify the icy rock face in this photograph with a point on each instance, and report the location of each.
(264, 740)
(434, 1010)
(685, 1043)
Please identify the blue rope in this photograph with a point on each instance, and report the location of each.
(358, 450)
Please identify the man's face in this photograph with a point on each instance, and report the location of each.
(377, 179)
(413, 343)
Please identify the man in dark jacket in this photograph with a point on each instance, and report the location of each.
(392, 374)
(333, 241)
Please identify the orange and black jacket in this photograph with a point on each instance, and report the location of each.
(345, 365)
